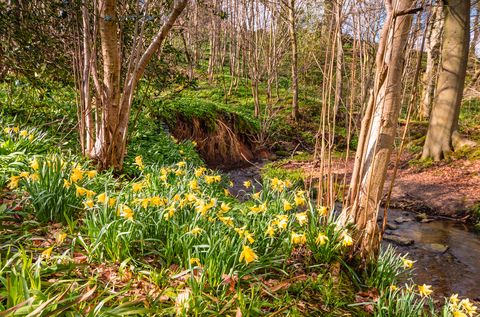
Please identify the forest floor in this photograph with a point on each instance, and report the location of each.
(447, 189)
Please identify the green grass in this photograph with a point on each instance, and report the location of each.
(166, 237)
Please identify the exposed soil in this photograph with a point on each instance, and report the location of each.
(444, 189)
(221, 146)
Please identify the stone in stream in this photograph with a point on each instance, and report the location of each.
(402, 241)
(423, 218)
(402, 219)
(392, 226)
(435, 247)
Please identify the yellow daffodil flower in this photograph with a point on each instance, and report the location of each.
(256, 195)
(24, 174)
(195, 261)
(34, 177)
(102, 198)
(125, 212)
(14, 180)
(226, 192)
(91, 174)
(136, 187)
(458, 313)
(248, 236)
(454, 299)
(347, 240)
(393, 288)
(301, 218)
(228, 221)
(298, 238)
(247, 184)
(60, 237)
(407, 264)
(88, 203)
(425, 290)
(156, 201)
(281, 221)
(270, 231)
(323, 211)
(90, 193)
(194, 184)
(209, 179)
(34, 164)
(199, 171)
(286, 205)
(259, 208)
(66, 183)
(80, 191)
(321, 239)
(225, 207)
(195, 231)
(145, 202)
(139, 162)
(468, 307)
(191, 197)
(112, 201)
(247, 255)
(47, 253)
(77, 175)
(24, 133)
(170, 211)
(181, 164)
(300, 200)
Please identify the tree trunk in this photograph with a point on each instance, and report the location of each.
(444, 117)
(108, 144)
(293, 45)
(435, 27)
(378, 133)
(113, 102)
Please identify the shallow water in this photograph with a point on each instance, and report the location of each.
(457, 270)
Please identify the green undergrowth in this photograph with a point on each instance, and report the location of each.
(173, 241)
(275, 169)
(191, 107)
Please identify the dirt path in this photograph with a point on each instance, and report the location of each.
(444, 189)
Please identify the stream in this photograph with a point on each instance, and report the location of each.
(446, 252)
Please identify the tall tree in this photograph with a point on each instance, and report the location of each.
(378, 131)
(442, 130)
(434, 32)
(293, 45)
(105, 137)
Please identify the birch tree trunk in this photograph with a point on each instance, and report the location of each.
(433, 55)
(378, 132)
(114, 100)
(442, 129)
(293, 46)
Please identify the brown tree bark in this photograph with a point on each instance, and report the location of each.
(378, 133)
(113, 101)
(455, 44)
(293, 46)
(434, 33)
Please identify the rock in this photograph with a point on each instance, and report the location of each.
(421, 216)
(392, 226)
(427, 220)
(435, 247)
(403, 241)
(402, 219)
